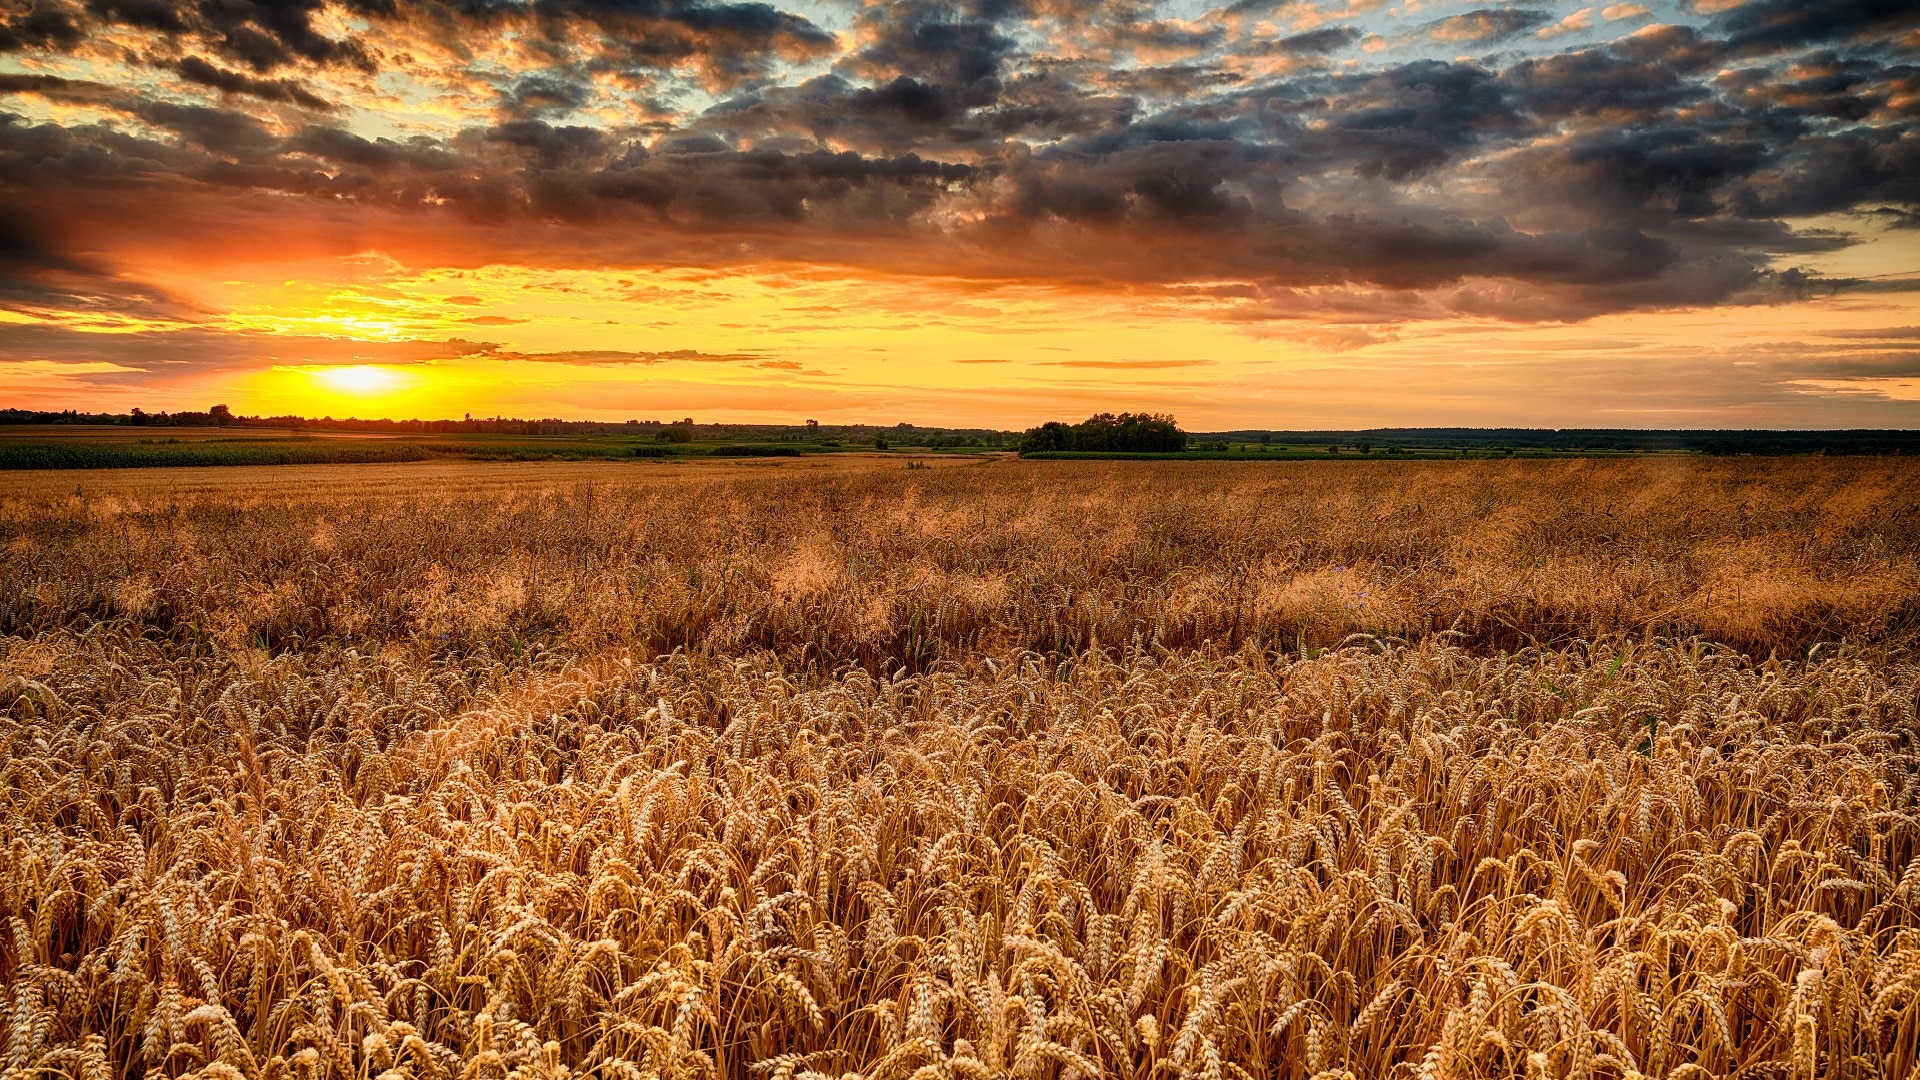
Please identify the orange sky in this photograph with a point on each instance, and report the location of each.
(1268, 215)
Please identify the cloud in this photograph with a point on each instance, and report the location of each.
(1318, 42)
(195, 70)
(38, 278)
(1782, 24)
(1100, 144)
(1333, 339)
(167, 353)
(933, 43)
(175, 351)
(39, 25)
(1487, 24)
(1887, 333)
(1127, 365)
(1572, 24)
(617, 356)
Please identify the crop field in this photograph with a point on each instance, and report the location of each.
(71, 447)
(829, 767)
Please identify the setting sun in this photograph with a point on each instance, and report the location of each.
(363, 379)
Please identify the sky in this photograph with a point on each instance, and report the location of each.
(1267, 214)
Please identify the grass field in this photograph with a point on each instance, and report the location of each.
(782, 768)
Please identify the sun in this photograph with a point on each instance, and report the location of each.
(361, 379)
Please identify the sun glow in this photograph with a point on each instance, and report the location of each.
(361, 379)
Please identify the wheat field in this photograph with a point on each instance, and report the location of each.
(1026, 769)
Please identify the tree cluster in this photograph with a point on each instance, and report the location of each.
(1138, 433)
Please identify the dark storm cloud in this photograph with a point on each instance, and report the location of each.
(266, 36)
(905, 114)
(1781, 24)
(1834, 172)
(1046, 106)
(1820, 86)
(53, 87)
(1672, 171)
(45, 24)
(1410, 119)
(262, 34)
(226, 132)
(1894, 216)
(1161, 36)
(752, 187)
(195, 70)
(1315, 42)
(1099, 141)
(1100, 181)
(1604, 83)
(336, 147)
(934, 44)
(728, 40)
(552, 147)
(907, 100)
(546, 92)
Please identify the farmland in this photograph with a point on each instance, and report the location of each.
(59, 447)
(817, 766)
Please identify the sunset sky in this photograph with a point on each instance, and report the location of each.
(1336, 213)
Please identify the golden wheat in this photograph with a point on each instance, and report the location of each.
(994, 772)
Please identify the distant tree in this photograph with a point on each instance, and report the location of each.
(220, 415)
(1052, 435)
(880, 442)
(1333, 448)
(1266, 438)
(681, 432)
(1366, 448)
(138, 416)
